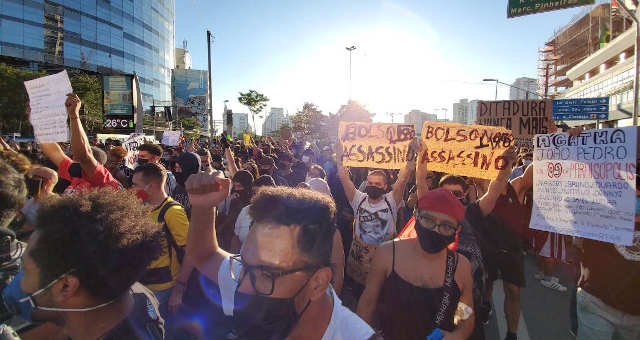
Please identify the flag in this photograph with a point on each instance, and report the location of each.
(605, 35)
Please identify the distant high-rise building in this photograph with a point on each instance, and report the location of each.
(274, 121)
(465, 111)
(183, 59)
(240, 124)
(524, 88)
(417, 118)
(461, 111)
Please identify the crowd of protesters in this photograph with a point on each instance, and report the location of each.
(277, 239)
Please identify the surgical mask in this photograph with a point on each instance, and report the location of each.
(143, 194)
(30, 298)
(13, 294)
(432, 241)
(374, 192)
(266, 317)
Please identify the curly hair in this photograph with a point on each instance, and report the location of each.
(104, 236)
(18, 161)
(13, 191)
(313, 212)
(118, 152)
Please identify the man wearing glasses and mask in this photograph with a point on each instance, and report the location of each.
(279, 286)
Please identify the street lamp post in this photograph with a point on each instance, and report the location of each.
(527, 92)
(350, 49)
(636, 81)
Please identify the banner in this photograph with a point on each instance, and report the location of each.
(375, 145)
(464, 150)
(525, 118)
(47, 97)
(131, 145)
(171, 138)
(585, 186)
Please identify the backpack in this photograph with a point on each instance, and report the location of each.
(167, 233)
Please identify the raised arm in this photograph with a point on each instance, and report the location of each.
(349, 188)
(498, 185)
(405, 173)
(206, 190)
(421, 172)
(79, 142)
(231, 164)
(53, 152)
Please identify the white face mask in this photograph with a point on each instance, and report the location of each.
(32, 300)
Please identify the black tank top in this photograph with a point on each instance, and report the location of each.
(410, 312)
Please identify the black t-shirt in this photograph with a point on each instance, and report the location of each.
(144, 322)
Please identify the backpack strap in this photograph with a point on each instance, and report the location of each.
(170, 239)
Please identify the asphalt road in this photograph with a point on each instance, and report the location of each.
(544, 312)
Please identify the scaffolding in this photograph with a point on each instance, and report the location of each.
(586, 33)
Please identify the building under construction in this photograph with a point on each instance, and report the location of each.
(585, 34)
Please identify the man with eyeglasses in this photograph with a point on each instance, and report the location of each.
(417, 302)
(279, 286)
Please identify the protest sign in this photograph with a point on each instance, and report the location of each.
(375, 145)
(247, 139)
(131, 145)
(48, 117)
(464, 150)
(171, 138)
(525, 118)
(585, 185)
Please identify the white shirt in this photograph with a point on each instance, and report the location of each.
(375, 223)
(243, 223)
(344, 324)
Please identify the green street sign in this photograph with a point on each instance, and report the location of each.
(518, 8)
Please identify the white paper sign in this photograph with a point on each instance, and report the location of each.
(48, 112)
(131, 145)
(170, 138)
(585, 186)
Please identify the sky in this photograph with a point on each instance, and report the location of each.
(411, 54)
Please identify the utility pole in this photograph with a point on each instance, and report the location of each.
(350, 49)
(636, 84)
(210, 106)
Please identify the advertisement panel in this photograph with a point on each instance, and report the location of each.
(190, 89)
(118, 103)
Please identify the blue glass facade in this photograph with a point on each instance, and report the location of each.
(105, 36)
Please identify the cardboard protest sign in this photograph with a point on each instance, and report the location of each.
(375, 145)
(464, 150)
(585, 185)
(525, 118)
(246, 138)
(131, 145)
(47, 96)
(171, 138)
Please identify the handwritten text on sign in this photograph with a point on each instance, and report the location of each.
(464, 150)
(585, 185)
(375, 145)
(525, 118)
(47, 96)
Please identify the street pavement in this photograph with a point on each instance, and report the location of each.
(544, 312)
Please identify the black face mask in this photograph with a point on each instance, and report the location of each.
(432, 241)
(142, 161)
(374, 192)
(75, 170)
(265, 317)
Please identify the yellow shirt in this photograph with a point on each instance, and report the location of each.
(178, 224)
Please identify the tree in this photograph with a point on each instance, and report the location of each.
(310, 122)
(14, 99)
(255, 101)
(89, 89)
(351, 112)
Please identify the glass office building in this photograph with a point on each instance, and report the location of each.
(104, 36)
